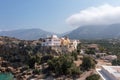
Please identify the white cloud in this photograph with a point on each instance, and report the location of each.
(105, 14)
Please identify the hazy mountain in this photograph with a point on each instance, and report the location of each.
(112, 31)
(64, 34)
(26, 34)
(85, 32)
(96, 32)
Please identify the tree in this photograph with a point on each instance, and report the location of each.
(93, 77)
(79, 47)
(101, 49)
(116, 62)
(74, 70)
(88, 63)
(36, 71)
(31, 62)
(90, 51)
(63, 65)
(45, 58)
(74, 54)
(33, 59)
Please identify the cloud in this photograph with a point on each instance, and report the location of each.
(105, 14)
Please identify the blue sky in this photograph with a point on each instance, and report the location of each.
(49, 15)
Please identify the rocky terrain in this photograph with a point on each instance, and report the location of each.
(17, 55)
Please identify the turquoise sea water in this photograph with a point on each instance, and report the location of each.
(6, 76)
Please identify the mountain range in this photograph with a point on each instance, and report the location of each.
(96, 32)
(83, 32)
(26, 34)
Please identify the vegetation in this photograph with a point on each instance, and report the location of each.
(90, 52)
(36, 71)
(79, 47)
(93, 77)
(45, 58)
(116, 62)
(33, 59)
(110, 46)
(63, 65)
(74, 54)
(30, 56)
(88, 63)
(31, 62)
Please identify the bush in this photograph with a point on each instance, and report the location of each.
(90, 52)
(31, 62)
(78, 48)
(33, 59)
(36, 71)
(74, 54)
(46, 58)
(88, 63)
(93, 77)
(63, 65)
(116, 62)
(75, 70)
(98, 56)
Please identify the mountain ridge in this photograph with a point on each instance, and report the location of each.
(26, 34)
(96, 32)
(84, 32)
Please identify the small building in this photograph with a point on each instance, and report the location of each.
(101, 55)
(51, 41)
(93, 47)
(82, 51)
(65, 41)
(74, 43)
(110, 57)
(111, 72)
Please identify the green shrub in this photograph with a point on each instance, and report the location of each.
(93, 77)
(88, 63)
(74, 54)
(36, 71)
(63, 65)
(116, 62)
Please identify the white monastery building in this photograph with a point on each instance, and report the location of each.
(56, 41)
(51, 41)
